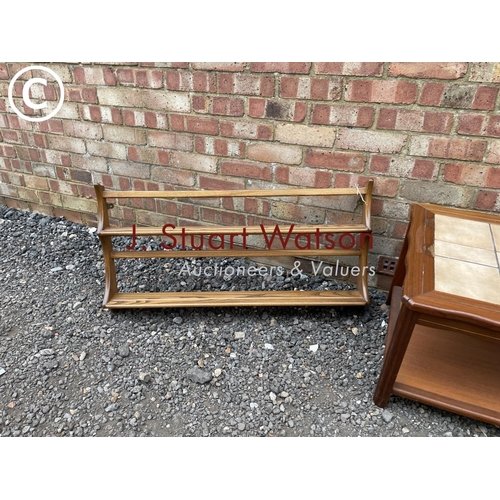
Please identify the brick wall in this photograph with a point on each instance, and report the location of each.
(425, 132)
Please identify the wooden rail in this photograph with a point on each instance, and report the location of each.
(115, 300)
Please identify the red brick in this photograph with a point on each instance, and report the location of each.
(442, 71)
(63, 187)
(11, 136)
(469, 124)
(485, 98)
(381, 186)
(173, 80)
(227, 106)
(493, 178)
(27, 154)
(257, 107)
(246, 130)
(275, 153)
(129, 117)
(4, 74)
(81, 94)
(414, 120)
(424, 169)
(437, 122)
(387, 118)
(493, 126)
(152, 79)
(8, 151)
(246, 169)
(277, 109)
(280, 67)
(472, 124)
(343, 115)
(219, 183)
(222, 217)
(51, 126)
(431, 94)
(311, 88)
(486, 200)
(350, 69)
(50, 198)
(200, 103)
(336, 160)
(148, 155)
(472, 175)
(191, 81)
(389, 91)
(380, 164)
(403, 167)
(149, 119)
(141, 78)
(181, 123)
(245, 84)
(219, 147)
(443, 147)
(204, 82)
(125, 76)
(94, 76)
(102, 114)
(396, 229)
(302, 176)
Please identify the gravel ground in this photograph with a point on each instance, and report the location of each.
(70, 368)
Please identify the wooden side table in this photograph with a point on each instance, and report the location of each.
(443, 340)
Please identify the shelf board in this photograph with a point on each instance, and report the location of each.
(452, 371)
(234, 299)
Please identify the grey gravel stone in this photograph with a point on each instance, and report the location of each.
(123, 351)
(198, 375)
(387, 416)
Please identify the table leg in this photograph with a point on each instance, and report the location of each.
(394, 354)
(400, 271)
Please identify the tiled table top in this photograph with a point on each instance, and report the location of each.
(467, 258)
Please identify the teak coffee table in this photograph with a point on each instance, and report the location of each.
(443, 340)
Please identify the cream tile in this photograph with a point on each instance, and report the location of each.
(495, 229)
(466, 253)
(467, 280)
(463, 232)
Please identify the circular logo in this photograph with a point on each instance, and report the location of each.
(26, 94)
